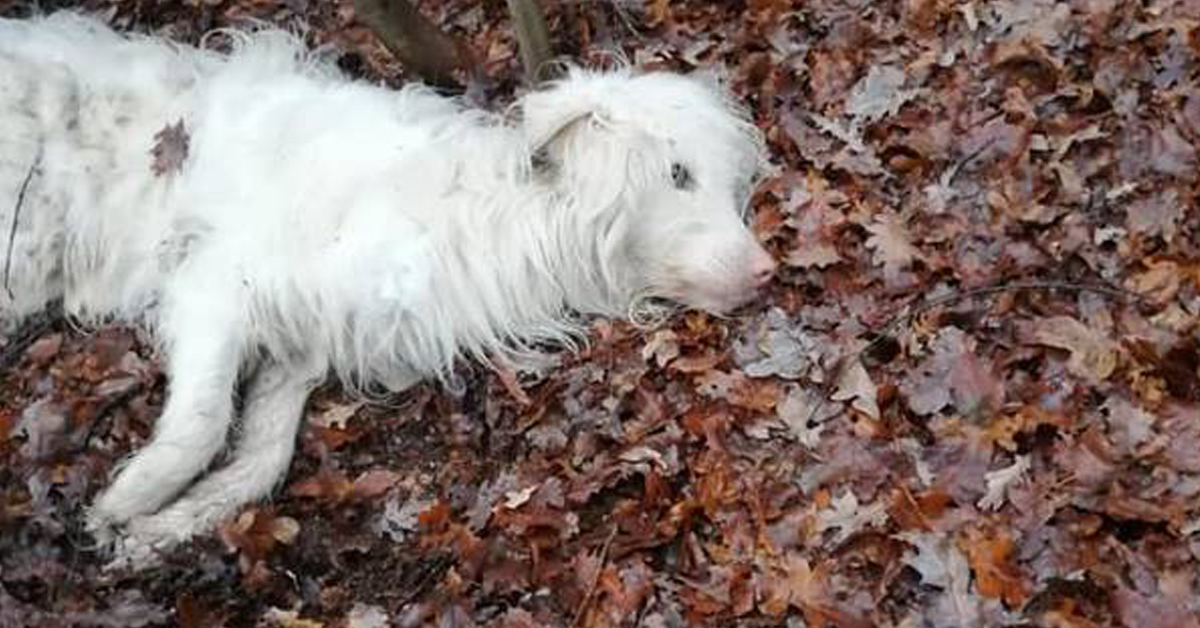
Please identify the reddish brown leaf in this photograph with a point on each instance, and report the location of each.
(374, 483)
(990, 554)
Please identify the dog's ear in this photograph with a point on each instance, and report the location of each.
(579, 135)
(549, 113)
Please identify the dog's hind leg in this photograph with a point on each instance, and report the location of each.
(274, 407)
(204, 326)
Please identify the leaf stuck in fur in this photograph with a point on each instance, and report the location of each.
(170, 149)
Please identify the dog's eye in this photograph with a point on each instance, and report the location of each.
(682, 177)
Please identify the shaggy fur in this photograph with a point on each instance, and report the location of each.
(319, 224)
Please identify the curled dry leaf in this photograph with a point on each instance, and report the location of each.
(374, 483)
(879, 93)
(999, 481)
(516, 499)
(367, 616)
(814, 254)
(661, 348)
(848, 517)
(1093, 353)
(891, 243)
(991, 555)
(855, 385)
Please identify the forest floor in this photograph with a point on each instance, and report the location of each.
(970, 398)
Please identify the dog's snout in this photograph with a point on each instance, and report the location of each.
(762, 267)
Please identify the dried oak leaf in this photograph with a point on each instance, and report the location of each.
(374, 483)
(1002, 430)
(337, 415)
(805, 413)
(1161, 280)
(1128, 424)
(1180, 425)
(739, 390)
(1168, 608)
(280, 618)
(44, 349)
(794, 583)
(953, 375)
(940, 563)
(846, 515)
(991, 558)
(879, 94)
(855, 383)
(518, 618)
(890, 240)
(256, 531)
(1157, 215)
(777, 347)
(661, 347)
(1093, 354)
(170, 149)
(1171, 154)
(367, 616)
(999, 482)
(126, 608)
(814, 254)
(191, 613)
(327, 485)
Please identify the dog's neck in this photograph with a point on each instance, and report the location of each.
(513, 279)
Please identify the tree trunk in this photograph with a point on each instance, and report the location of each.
(533, 38)
(414, 40)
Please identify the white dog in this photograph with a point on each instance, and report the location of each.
(306, 223)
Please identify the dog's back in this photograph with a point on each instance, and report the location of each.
(79, 109)
(272, 133)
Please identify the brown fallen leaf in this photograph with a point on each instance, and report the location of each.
(328, 485)
(855, 384)
(991, 555)
(1093, 353)
(739, 390)
(256, 531)
(374, 483)
(170, 149)
(891, 243)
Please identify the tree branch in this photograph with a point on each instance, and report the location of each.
(414, 40)
(533, 38)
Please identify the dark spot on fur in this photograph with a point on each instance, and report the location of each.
(170, 149)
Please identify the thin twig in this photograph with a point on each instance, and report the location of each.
(910, 311)
(29, 331)
(591, 593)
(913, 311)
(962, 163)
(12, 230)
(440, 564)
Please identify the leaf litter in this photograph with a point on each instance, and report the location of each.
(1025, 455)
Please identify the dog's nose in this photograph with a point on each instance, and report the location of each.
(762, 268)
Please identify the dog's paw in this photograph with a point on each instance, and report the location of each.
(118, 504)
(139, 543)
(130, 553)
(102, 528)
(159, 532)
(143, 542)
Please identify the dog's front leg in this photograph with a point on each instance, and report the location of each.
(204, 327)
(274, 406)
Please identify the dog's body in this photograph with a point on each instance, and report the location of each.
(318, 224)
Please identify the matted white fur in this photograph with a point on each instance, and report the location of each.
(319, 224)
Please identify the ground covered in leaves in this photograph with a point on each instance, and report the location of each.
(971, 398)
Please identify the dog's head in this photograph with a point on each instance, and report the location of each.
(662, 166)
